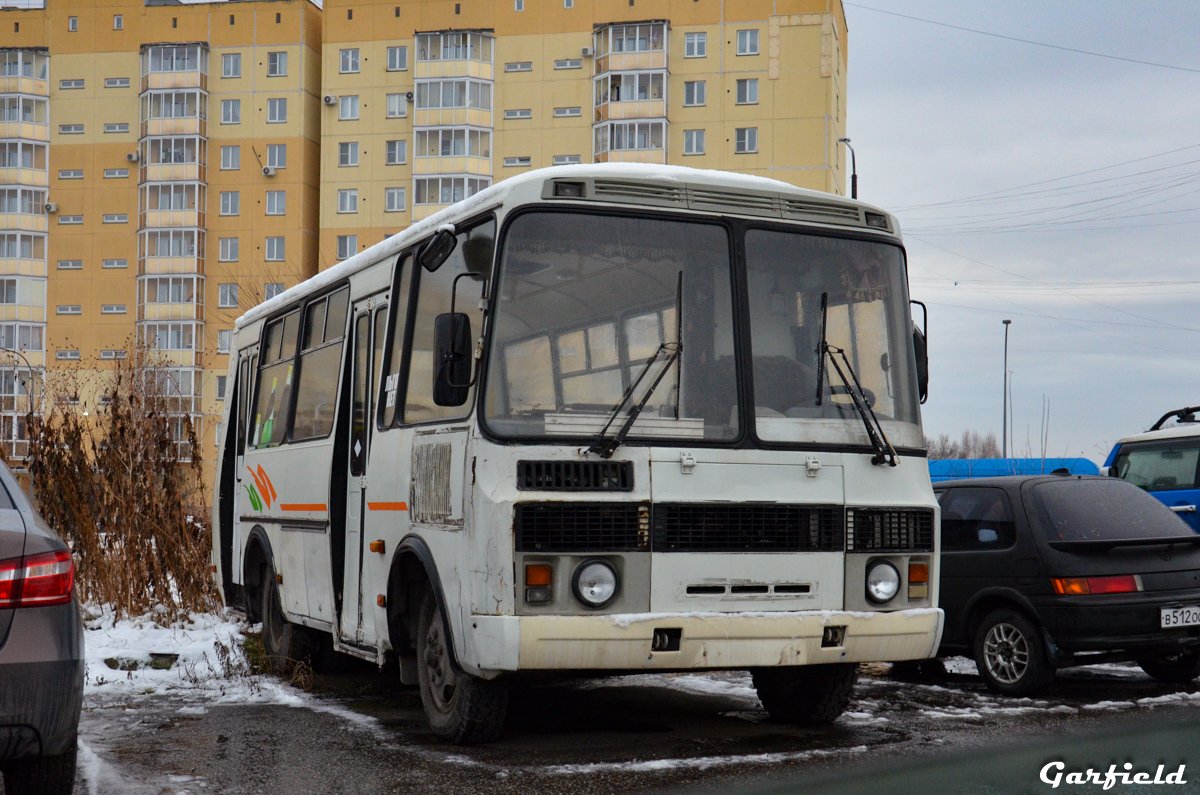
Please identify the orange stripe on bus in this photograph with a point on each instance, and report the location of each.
(387, 506)
(302, 506)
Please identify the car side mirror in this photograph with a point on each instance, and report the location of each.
(451, 358)
(438, 250)
(921, 349)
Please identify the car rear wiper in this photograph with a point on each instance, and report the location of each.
(605, 447)
(884, 452)
(1105, 544)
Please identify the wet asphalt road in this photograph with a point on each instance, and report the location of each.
(361, 732)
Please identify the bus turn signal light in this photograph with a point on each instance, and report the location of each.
(918, 572)
(537, 574)
(377, 546)
(1075, 586)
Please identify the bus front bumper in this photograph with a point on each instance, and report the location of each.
(705, 640)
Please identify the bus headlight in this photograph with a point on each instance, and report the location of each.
(595, 583)
(883, 582)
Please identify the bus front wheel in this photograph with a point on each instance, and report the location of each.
(806, 695)
(461, 708)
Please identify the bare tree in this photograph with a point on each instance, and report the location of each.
(971, 444)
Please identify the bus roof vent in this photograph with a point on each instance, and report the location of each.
(639, 192)
(727, 201)
(821, 211)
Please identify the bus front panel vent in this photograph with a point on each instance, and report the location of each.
(579, 526)
(716, 527)
(575, 475)
(889, 530)
(650, 193)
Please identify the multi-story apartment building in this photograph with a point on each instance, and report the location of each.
(164, 166)
(160, 176)
(428, 102)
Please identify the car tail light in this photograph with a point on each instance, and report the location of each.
(37, 580)
(1074, 586)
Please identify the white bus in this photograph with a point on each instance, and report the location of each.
(596, 418)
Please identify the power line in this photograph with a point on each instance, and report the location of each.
(1027, 41)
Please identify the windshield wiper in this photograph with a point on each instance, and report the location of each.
(884, 452)
(605, 447)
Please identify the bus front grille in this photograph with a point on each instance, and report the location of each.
(581, 526)
(575, 475)
(747, 527)
(889, 530)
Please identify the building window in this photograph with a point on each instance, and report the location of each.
(220, 396)
(118, 22)
(434, 94)
(110, 354)
(229, 250)
(276, 64)
(231, 64)
(119, 127)
(518, 5)
(115, 263)
(70, 220)
(67, 355)
(394, 200)
(272, 289)
(277, 155)
(348, 200)
(230, 202)
(231, 158)
(72, 24)
(566, 160)
(231, 111)
(694, 93)
(67, 85)
(116, 82)
(397, 106)
(747, 91)
(397, 152)
(695, 45)
(693, 142)
(224, 340)
(72, 173)
(116, 218)
(113, 309)
(276, 202)
(522, 113)
(397, 59)
(568, 3)
(116, 173)
(516, 162)
(519, 66)
(347, 246)
(277, 110)
(274, 249)
(454, 142)
(8, 291)
(747, 42)
(70, 129)
(569, 63)
(447, 190)
(454, 47)
(70, 264)
(348, 154)
(348, 108)
(70, 309)
(746, 140)
(567, 112)
(619, 136)
(227, 294)
(349, 61)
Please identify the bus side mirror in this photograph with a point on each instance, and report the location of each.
(921, 349)
(438, 250)
(452, 359)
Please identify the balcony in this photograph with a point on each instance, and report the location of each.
(179, 125)
(631, 61)
(29, 130)
(153, 219)
(23, 267)
(24, 222)
(37, 177)
(186, 79)
(652, 156)
(454, 54)
(26, 312)
(453, 165)
(172, 311)
(445, 117)
(161, 358)
(24, 85)
(167, 172)
(179, 264)
(479, 69)
(638, 109)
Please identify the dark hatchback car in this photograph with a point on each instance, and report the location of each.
(1048, 572)
(41, 651)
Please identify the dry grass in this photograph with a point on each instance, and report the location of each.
(119, 483)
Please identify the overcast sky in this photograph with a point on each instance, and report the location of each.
(1099, 272)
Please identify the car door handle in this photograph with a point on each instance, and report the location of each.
(1183, 508)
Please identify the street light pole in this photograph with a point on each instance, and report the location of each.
(853, 169)
(1004, 440)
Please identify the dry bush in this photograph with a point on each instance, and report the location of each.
(119, 481)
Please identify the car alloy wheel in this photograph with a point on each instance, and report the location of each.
(1006, 653)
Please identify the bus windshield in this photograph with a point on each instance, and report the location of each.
(584, 301)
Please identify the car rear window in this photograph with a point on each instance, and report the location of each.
(1168, 465)
(1102, 509)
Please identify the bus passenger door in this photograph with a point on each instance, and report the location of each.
(366, 347)
(239, 420)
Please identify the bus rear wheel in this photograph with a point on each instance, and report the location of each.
(284, 643)
(807, 695)
(461, 708)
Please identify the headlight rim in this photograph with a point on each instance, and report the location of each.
(867, 582)
(579, 571)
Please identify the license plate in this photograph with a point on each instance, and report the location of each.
(1180, 617)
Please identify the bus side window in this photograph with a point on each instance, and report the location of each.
(433, 299)
(274, 397)
(242, 390)
(320, 366)
(389, 389)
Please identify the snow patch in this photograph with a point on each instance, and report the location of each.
(695, 763)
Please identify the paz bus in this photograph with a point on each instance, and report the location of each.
(592, 419)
